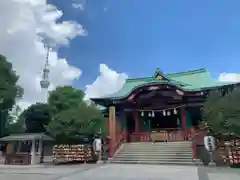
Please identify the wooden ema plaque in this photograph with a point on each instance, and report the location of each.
(69, 153)
(234, 152)
(231, 153)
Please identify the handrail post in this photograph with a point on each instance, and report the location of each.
(194, 148)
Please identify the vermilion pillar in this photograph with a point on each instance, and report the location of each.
(185, 133)
(137, 125)
(124, 127)
(184, 122)
(111, 130)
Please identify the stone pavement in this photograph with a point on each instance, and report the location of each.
(47, 172)
(137, 172)
(117, 172)
(218, 173)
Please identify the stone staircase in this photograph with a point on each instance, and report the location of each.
(176, 153)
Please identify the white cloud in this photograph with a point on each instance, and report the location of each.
(79, 4)
(23, 24)
(108, 82)
(229, 77)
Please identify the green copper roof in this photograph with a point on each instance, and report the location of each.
(195, 80)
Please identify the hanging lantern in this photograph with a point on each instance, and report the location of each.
(142, 113)
(168, 113)
(174, 111)
(164, 113)
(149, 114)
(153, 114)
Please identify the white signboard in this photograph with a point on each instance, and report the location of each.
(209, 143)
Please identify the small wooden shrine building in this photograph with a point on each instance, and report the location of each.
(24, 149)
(167, 103)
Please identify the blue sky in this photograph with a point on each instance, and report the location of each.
(137, 36)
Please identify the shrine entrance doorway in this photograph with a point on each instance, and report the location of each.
(161, 122)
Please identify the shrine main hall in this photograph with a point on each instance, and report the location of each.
(167, 104)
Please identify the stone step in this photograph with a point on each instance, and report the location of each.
(156, 160)
(169, 142)
(160, 148)
(152, 162)
(178, 158)
(158, 144)
(156, 151)
(154, 155)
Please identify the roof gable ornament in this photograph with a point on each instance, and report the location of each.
(159, 75)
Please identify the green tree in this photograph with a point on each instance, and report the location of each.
(9, 91)
(65, 97)
(15, 122)
(69, 124)
(72, 117)
(15, 127)
(222, 113)
(36, 118)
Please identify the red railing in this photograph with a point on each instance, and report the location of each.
(115, 143)
(177, 134)
(142, 137)
(164, 134)
(116, 147)
(113, 147)
(197, 138)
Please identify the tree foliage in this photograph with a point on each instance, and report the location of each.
(15, 127)
(64, 98)
(71, 116)
(9, 90)
(15, 122)
(70, 124)
(222, 113)
(37, 117)
(66, 117)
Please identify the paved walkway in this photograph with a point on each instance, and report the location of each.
(48, 172)
(206, 173)
(117, 172)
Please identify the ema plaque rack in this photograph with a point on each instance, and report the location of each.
(231, 152)
(70, 153)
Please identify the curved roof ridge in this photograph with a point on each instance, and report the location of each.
(201, 70)
(140, 78)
